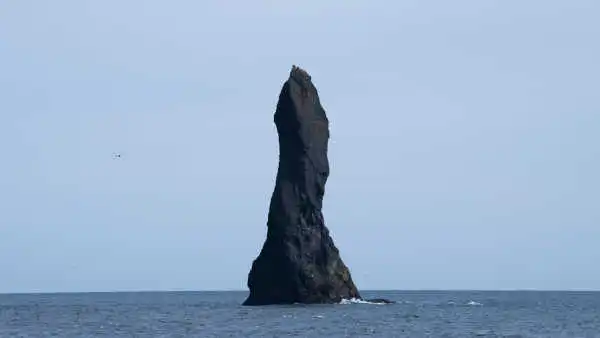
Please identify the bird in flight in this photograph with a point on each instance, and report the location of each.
(116, 155)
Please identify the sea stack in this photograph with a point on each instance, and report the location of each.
(299, 262)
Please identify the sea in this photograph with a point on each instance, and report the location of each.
(220, 314)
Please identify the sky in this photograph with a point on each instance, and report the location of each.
(464, 151)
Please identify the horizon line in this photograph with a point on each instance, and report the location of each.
(246, 290)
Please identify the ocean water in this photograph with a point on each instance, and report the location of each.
(219, 314)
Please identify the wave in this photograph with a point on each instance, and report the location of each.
(469, 303)
(359, 301)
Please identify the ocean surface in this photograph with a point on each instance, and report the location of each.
(219, 314)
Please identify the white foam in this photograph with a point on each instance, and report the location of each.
(358, 301)
(473, 303)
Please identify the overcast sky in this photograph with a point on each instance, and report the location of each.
(465, 140)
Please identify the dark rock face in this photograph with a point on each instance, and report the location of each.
(299, 262)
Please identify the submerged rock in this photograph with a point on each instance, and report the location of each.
(299, 262)
(380, 301)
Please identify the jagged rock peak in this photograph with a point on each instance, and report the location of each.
(300, 75)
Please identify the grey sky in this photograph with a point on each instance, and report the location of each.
(465, 145)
